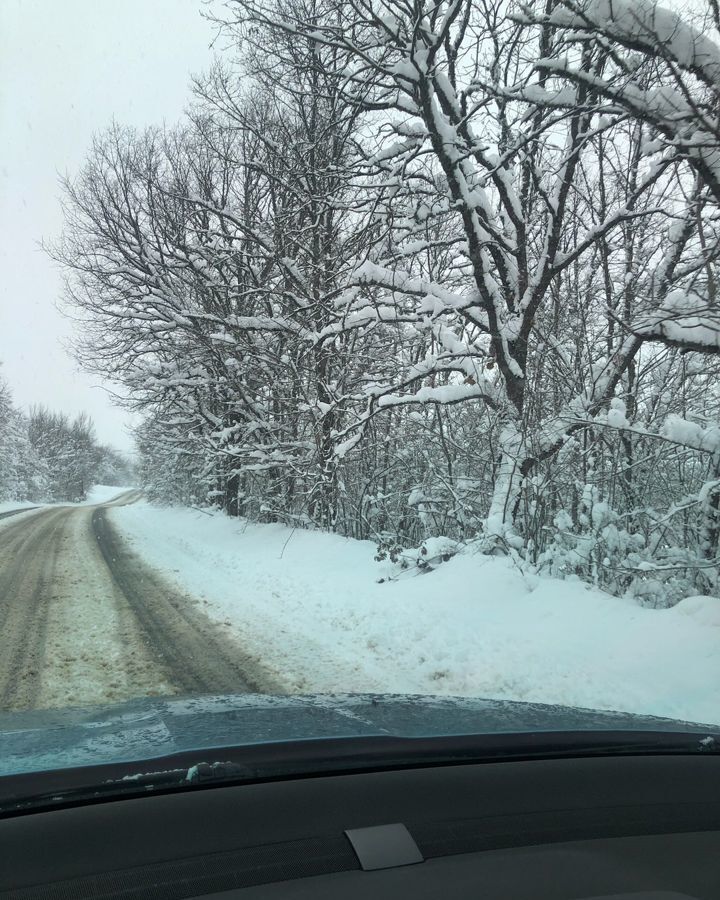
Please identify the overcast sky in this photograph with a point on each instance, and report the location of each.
(67, 67)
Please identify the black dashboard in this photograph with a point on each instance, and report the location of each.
(646, 828)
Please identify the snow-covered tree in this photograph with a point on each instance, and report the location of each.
(23, 473)
(409, 271)
(67, 450)
(485, 155)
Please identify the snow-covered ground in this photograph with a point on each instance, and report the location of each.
(310, 607)
(103, 493)
(8, 505)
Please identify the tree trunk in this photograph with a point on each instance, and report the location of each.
(513, 466)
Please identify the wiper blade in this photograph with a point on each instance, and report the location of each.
(84, 790)
(197, 774)
(325, 756)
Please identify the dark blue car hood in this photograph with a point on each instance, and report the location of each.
(148, 729)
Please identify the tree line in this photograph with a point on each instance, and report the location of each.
(409, 270)
(46, 456)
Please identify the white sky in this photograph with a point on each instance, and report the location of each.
(67, 67)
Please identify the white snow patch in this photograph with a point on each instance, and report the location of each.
(310, 605)
(9, 505)
(104, 493)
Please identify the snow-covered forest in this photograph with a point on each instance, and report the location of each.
(430, 269)
(45, 456)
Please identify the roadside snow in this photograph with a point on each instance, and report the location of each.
(8, 505)
(103, 493)
(310, 606)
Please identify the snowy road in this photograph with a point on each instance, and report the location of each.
(83, 621)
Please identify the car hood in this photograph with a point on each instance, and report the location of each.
(152, 728)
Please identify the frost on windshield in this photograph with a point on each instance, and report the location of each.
(422, 292)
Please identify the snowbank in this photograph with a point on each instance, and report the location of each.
(309, 605)
(10, 505)
(103, 493)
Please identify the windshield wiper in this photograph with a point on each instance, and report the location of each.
(198, 774)
(323, 756)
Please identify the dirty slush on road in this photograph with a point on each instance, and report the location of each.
(84, 621)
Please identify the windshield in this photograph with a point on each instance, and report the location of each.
(356, 348)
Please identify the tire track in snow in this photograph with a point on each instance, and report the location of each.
(29, 550)
(199, 656)
(83, 621)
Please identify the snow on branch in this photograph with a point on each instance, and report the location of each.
(443, 394)
(683, 321)
(645, 25)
